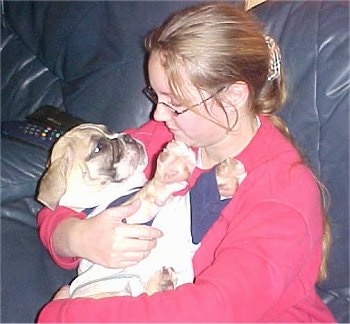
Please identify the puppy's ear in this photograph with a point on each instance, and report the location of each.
(53, 184)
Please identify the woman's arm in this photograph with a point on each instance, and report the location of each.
(48, 222)
(102, 239)
(242, 271)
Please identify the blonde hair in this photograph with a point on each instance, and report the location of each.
(214, 45)
(218, 44)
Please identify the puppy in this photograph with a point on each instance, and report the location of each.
(91, 167)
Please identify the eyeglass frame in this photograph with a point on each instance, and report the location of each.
(149, 92)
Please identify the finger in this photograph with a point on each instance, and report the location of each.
(124, 211)
(132, 258)
(103, 295)
(62, 293)
(135, 245)
(139, 231)
(136, 256)
(149, 232)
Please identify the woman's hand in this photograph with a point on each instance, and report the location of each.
(62, 293)
(106, 240)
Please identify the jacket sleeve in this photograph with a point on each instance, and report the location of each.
(47, 223)
(238, 264)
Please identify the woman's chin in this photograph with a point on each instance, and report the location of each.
(180, 137)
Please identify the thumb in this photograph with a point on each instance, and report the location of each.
(62, 293)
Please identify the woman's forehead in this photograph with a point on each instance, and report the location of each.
(157, 75)
(159, 79)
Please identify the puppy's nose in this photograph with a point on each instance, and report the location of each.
(127, 139)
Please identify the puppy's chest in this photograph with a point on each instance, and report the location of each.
(175, 248)
(174, 220)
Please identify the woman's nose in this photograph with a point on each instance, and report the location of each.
(162, 113)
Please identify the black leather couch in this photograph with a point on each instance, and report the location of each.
(87, 58)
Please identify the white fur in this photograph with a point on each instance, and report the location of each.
(175, 249)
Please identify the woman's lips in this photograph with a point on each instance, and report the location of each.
(172, 129)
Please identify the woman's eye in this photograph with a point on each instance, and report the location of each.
(175, 104)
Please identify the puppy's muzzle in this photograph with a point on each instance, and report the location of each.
(129, 155)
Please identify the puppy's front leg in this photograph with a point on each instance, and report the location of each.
(174, 167)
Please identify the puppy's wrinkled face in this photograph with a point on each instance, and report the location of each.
(84, 161)
(114, 157)
(101, 155)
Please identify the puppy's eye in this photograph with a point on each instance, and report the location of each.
(99, 147)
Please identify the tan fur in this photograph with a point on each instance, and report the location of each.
(75, 173)
(53, 185)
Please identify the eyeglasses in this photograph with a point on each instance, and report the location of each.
(151, 95)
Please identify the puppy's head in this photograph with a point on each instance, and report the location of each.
(84, 161)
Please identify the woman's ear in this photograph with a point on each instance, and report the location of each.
(237, 93)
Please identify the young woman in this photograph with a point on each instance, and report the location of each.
(217, 83)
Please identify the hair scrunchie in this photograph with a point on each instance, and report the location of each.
(275, 59)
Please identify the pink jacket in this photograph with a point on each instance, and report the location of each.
(258, 262)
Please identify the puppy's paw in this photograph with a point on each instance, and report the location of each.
(162, 280)
(175, 163)
(229, 175)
